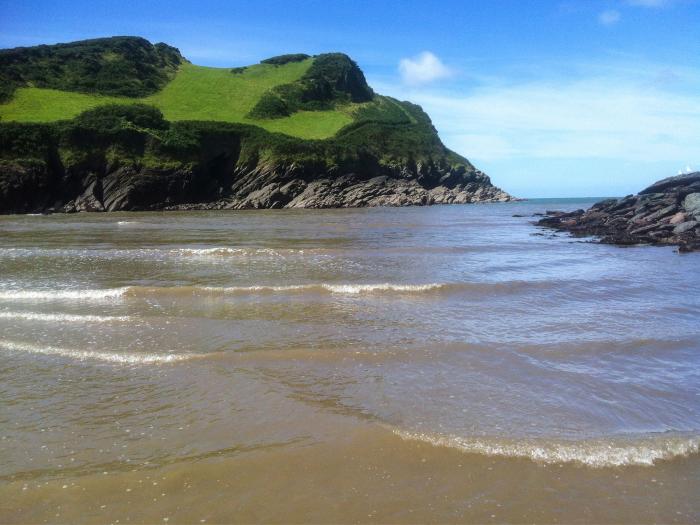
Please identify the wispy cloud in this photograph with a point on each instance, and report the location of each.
(621, 117)
(609, 17)
(649, 3)
(423, 69)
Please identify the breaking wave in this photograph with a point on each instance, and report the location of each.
(163, 253)
(51, 295)
(598, 453)
(322, 288)
(64, 318)
(313, 288)
(350, 289)
(94, 355)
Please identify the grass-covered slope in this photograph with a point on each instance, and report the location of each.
(195, 93)
(51, 83)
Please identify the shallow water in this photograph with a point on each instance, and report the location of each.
(439, 364)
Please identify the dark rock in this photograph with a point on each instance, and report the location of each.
(666, 213)
(670, 183)
(687, 247)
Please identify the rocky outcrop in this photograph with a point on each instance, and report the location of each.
(270, 187)
(350, 191)
(665, 213)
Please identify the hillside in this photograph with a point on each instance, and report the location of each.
(175, 134)
(195, 93)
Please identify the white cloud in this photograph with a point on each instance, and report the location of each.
(423, 69)
(649, 3)
(609, 17)
(593, 116)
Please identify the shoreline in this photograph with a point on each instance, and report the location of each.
(385, 479)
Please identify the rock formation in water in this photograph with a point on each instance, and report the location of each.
(665, 213)
(128, 156)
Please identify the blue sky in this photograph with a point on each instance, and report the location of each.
(550, 98)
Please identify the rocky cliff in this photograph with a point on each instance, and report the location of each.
(128, 156)
(221, 182)
(665, 213)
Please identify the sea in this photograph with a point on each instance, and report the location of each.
(442, 364)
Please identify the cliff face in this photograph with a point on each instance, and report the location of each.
(665, 213)
(224, 179)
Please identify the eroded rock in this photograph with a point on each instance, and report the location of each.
(665, 213)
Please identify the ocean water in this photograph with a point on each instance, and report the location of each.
(410, 365)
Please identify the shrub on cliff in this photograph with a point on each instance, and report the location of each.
(118, 66)
(332, 78)
(285, 59)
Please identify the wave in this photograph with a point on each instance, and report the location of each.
(94, 355)
(149, 291)
(207, 252)
(600, 453)
(341, 289)
(64, 318)
(224, 251)
(317, 288)
(49, 295)
(155, 253)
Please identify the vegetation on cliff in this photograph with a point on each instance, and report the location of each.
(117, 66)
(299, 95)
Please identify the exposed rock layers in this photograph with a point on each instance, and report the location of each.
(665, 213)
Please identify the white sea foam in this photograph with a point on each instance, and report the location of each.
(146, 291)
(347, 289)
(384, 287)
(151, 253)
(95, 355)
(51, 295)
(64, 318)
(224, 251)
(209, 252)
(599, 453)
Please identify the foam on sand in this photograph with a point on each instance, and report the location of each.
(597, 453)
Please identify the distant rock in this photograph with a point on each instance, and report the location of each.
(665, 213)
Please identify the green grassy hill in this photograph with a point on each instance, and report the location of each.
(121, 124)
(195, 93)
(204, 93)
